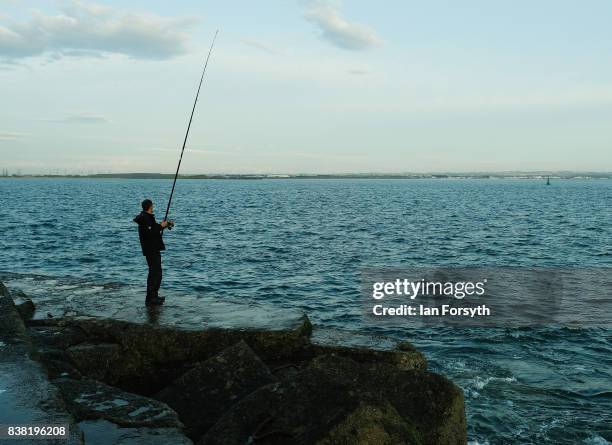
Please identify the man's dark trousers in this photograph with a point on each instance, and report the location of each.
(154, 278)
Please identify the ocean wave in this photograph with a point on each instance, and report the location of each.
(596, 440)
(480, 383)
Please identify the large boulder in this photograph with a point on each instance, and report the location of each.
(51, 343)
(162, 344)
(147, 358)
(300, 410)
(4, 292)
(58, 367)
(57, 337)
(335, 395)
(12, 328)
(405, 359)
(372, 425)
(431, 401)
(96, 360)
(204, 393)
(89, 399)
(24, 305)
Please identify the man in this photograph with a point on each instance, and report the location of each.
(150, 234)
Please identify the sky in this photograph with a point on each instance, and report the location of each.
(306, 86)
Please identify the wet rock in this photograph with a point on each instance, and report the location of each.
(405, 346)
(172, 344)
(406, 358)
(285, 371)
(102, 432)
(24, 305)
(373, 425)
(57, 337)
(304, 329)
(89, 399)
(298, 411)
(149, 347)
(430, 401)
(333, 393)
(57, 363)
(219, 381)
(97, 361)
(4, 292)
(150, 357)
(59, 368)
(433, 402)
(12, 328)
(205, 392)
(27, 396)
(51, 343)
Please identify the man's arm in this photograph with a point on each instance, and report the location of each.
(162, 225)
(150, 225)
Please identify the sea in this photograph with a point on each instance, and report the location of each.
(270, 246)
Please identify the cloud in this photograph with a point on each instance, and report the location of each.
(87, 29)
(8, 136)
(262, 46)
(340, 32)
(358, 72)
(82, 118)
(197, 151)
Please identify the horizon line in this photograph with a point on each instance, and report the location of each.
(5, 173)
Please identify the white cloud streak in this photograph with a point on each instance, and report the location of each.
(87, 29)
(79, 119)
(339, 31)
(262, 46)
(358, 72)
(9, 136)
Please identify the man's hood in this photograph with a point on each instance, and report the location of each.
(142, 218)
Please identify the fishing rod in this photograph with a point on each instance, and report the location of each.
(188, 127)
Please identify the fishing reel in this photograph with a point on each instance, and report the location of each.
(170, 225)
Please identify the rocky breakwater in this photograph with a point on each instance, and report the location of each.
(125, 382)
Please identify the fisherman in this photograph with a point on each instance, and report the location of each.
(152, 243)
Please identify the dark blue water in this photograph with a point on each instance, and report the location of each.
(302, 243)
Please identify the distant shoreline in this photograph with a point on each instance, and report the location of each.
(476, 175)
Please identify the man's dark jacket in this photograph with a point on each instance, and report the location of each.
(149, 232)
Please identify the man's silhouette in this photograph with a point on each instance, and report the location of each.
(150, 234)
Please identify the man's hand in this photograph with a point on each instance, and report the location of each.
(168, 224)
